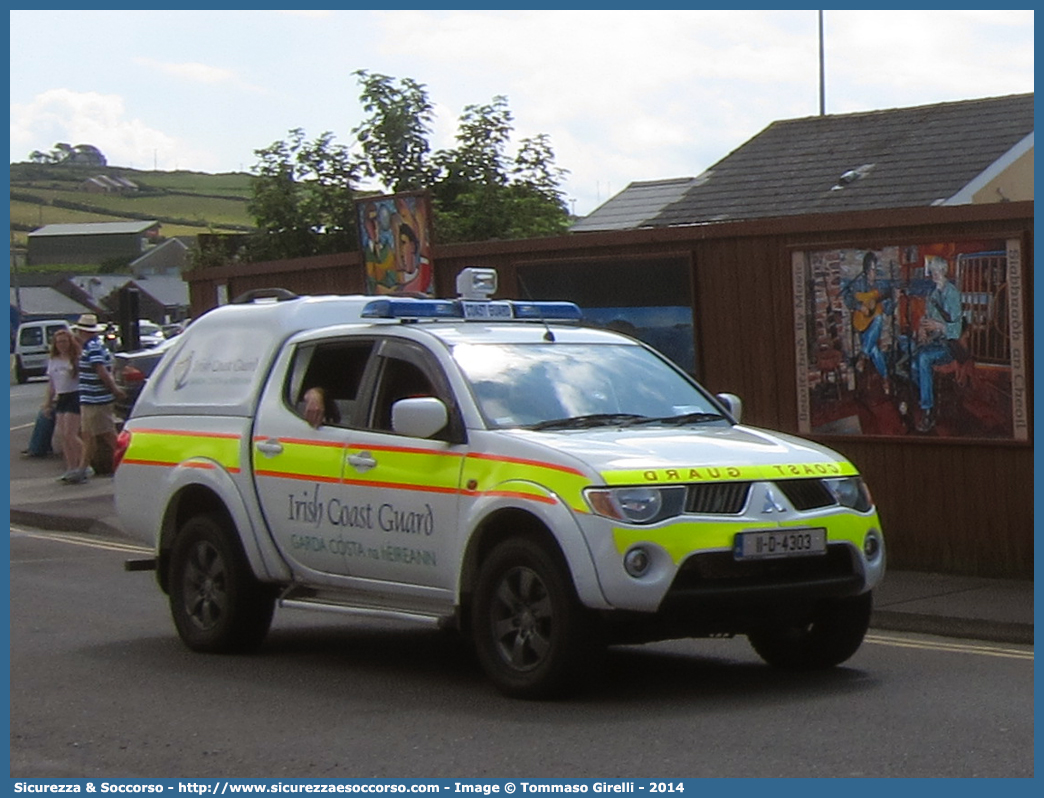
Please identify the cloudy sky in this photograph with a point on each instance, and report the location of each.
(624, 95)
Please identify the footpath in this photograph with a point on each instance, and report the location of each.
(995, 610)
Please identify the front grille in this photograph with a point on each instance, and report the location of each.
(717, 498)
(806, 494)
(721, 569)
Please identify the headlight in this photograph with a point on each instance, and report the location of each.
(851, 492)
(637, 505)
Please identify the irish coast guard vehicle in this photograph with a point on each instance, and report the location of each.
(489, 466)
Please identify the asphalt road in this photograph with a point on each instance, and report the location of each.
(101, 687)
(26, 400)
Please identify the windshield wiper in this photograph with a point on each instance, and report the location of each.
(586, 422)
(684, 418)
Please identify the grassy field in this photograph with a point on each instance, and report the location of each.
(185, 203)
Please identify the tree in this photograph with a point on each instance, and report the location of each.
(303, 198)
(303, 192)
(394, 137)
(480, 194)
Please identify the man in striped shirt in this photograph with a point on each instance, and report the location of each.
(98, 391)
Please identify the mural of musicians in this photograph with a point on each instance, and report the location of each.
(911, 338)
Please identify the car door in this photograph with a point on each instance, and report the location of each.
(408, 488)
(298, 467)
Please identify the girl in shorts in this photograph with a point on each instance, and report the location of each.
(63, 396)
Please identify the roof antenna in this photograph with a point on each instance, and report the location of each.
(548, 335)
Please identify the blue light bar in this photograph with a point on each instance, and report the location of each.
(547, 311)
(411, 309)
(471, 310)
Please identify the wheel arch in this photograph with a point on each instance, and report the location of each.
(507, 522)
(189, 501)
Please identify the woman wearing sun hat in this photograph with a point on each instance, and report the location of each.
(98, 392)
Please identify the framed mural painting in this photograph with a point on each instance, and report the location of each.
(919, 339)
(395, 240)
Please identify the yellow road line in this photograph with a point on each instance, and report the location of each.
(959, 648)
(83, 540)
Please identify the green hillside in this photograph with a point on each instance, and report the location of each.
(185, 203)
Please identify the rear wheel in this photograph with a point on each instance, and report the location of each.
(20, 374)
(217, 604)
(827, 636)
(527, 624)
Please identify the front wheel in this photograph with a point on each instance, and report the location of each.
(217, 604)
(527, 624)
(826, 637)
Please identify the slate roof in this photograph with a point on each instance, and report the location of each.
(643, 200)
(895, 158)
(93, 228)
(44, 301)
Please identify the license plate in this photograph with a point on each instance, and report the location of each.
(777, 543)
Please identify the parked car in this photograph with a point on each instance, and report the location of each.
(32, 344)
(150, 335)
(132, 369)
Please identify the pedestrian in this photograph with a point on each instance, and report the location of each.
(63, 397)
(98, 392)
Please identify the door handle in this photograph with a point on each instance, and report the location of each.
(269, 448)
(363, 461)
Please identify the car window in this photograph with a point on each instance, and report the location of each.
(337, 367)
(404, 371)
(31, 336)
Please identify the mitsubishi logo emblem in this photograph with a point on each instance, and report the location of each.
(772, 504)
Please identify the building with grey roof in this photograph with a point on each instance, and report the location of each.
(973, 151)
(90, 243)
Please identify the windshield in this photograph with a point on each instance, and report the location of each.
(571, 386)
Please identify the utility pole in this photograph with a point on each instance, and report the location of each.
(822, 70)
(15, 278)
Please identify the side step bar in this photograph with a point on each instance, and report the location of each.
(432, 620)
(411, 609)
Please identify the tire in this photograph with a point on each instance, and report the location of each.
(528, 627)
(20, 374)
(828, 636)
(217, 604)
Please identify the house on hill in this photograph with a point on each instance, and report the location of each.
(955, 153)
(168, 258)
(106, 184)
(90, 243)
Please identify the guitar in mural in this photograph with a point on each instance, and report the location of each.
(869, 307)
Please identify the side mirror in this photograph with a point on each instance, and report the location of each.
(421, 417)
(733, 404)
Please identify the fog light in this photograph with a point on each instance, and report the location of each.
(871, 545)
(637, 562)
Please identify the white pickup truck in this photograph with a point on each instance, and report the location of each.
(485, 465)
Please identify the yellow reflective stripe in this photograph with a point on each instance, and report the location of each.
(301, 459)
(519, 490)
(489, 474)
(162, 447)
(403, 466)
(665, 476)
(688, 537)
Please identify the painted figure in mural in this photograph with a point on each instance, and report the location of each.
(374, 247)
(870, 303)
(413, 267)
(938, 337)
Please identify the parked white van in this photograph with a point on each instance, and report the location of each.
(32, 345)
